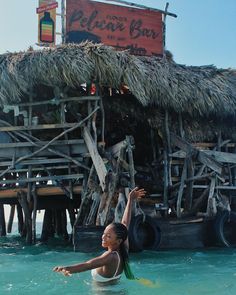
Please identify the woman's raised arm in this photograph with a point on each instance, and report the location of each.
(136, 193)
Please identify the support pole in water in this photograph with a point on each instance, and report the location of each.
(11, 218)
(2, 221)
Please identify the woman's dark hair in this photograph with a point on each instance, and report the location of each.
(122, 233)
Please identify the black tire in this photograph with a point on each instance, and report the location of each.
(225, 227)
(144, 235)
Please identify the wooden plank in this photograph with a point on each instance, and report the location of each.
(222, 156)
(39, 161)
(56, 101)
(41, 191)
(96, 158)
(42, 143)
(41, 178)
(209, 162)
(220, 187)
(206, 145)
(200, 155)
(219, 156)
(7, 153)
(56, 167)
(38, 127)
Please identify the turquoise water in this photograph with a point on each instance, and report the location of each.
(27, 270)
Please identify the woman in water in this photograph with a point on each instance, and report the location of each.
(110, 265)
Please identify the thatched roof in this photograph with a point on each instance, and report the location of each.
(196, 91)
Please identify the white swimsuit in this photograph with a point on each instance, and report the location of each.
(98, 278)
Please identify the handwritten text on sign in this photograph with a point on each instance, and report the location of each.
(122, 27)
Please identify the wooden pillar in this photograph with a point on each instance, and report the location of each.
(11, 218)
(181, 189)
(189, 188)
(91, 219)
(58, 223)
(22, 198)
(104, 217)
(2, 221)
(35, 200)
(211, 205)
(47, 229)
(21, 224)
(64, 225)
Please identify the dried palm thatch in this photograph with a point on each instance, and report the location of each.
(196, 91)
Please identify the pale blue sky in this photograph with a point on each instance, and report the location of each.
(203, 33)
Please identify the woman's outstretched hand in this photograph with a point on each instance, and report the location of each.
(137, 193)
(62, 270)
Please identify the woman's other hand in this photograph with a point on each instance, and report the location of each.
(63, 270)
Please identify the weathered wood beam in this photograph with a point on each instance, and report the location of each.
(20, 217)
(35, 204)
(22, 198)
(41, 191)
(112, 180)
(56, 101)
(91, 219)
(2, 221)
(38, 161)
(201, 156)
(42, 178)
(211, 204)
(96, 158)
(48, 229)
(11, 218)
(222, 156)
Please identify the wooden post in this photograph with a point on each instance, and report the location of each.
(71, 212)
(168, 147)
(211, 205)
(21, 224)
(35, 202)
(47, 229)
(96, 158)
(112, 180)
(2, 221)
(64, 224)
(189, 189)
(181, 189)
(91, 219)
(11, 218)
(84, 208)
(166, 186)
(22, 198)
(131, 161)
(58, 223)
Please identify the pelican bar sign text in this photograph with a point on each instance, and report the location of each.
(138, 30)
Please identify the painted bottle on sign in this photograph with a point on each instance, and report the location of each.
(46, 28)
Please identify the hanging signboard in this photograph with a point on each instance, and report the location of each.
(138, 30)
(46, 22)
